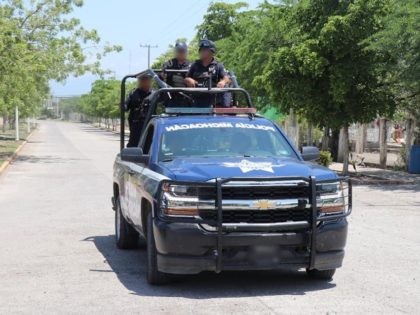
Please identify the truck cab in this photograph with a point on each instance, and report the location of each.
(214, 189)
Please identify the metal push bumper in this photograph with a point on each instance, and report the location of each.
(190, 248)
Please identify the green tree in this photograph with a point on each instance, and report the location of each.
(398, 43)
(220, 20)
(39, 43)
(322, 70)
(102, 101)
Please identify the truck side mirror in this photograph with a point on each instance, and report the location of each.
(134, 155)
(310, 153)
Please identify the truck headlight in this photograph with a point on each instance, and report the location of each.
(331, 198)
(180, 200)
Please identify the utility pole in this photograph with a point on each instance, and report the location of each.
(148, 46)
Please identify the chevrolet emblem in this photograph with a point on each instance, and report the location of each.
(264, 204)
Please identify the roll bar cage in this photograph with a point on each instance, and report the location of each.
(164, 88)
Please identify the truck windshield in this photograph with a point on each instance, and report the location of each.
(223, 139)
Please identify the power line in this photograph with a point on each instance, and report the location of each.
(170, 32)
(148, 46)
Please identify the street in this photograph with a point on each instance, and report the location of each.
(58, 253)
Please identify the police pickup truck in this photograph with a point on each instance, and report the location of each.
(214, 189)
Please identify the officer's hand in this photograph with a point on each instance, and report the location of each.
(190, 82)
(221, 84)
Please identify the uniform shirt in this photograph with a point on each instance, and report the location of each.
(175, 79)
(201, 73)
(134, 104)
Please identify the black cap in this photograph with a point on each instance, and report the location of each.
(144, 76)
(207, 44)
(181, 46)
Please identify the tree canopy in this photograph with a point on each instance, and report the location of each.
(39, 42)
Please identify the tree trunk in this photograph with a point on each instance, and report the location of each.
(325, 139)
(344, 133)
(4, 122)
(310, 140)
(342, 144)
(333, 144)
(383, 149)
(292, 128)
(361, 138)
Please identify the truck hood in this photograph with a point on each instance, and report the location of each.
(204, 169)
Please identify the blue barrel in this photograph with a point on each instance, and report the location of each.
(414, 167)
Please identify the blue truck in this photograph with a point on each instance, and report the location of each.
(214, 189)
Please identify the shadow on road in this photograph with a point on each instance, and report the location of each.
(130, 268)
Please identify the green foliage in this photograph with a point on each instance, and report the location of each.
(220, 20)
(325, 158)
(332, 62)
(47, 113)
(398, 45)
(103, 99)
(323, 71)
(39, 42)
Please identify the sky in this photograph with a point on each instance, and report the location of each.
(130, 23)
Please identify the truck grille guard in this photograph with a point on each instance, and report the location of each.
(315, 218)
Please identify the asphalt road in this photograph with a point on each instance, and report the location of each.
(57, 252)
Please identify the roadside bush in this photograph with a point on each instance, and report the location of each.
(325, 158)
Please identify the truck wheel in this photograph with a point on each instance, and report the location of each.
(154, 276)
(321, 274)
(126, 236)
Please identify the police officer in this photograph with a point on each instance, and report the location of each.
(207, 69)
(135, 106)
(180, 62)
(201, 70)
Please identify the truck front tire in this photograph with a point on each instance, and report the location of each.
(154, 276)
(126, 236)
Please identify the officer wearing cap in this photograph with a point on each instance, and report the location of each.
(207, 67)
(205, 71)
(180, 62)
(136, 107)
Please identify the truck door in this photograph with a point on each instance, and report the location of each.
(137, 177)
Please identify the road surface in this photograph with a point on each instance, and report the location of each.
(58, 254)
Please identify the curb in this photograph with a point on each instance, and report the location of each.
(10, 159)
(381, 182)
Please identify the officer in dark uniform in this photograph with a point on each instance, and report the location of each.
(207, 70)
(180, 62)
(137, 111)
(176, 79)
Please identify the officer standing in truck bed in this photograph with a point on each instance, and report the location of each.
(208, 71)
(180, 62)
(136, 107)
(207, 67)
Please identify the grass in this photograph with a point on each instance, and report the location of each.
(8, 144)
